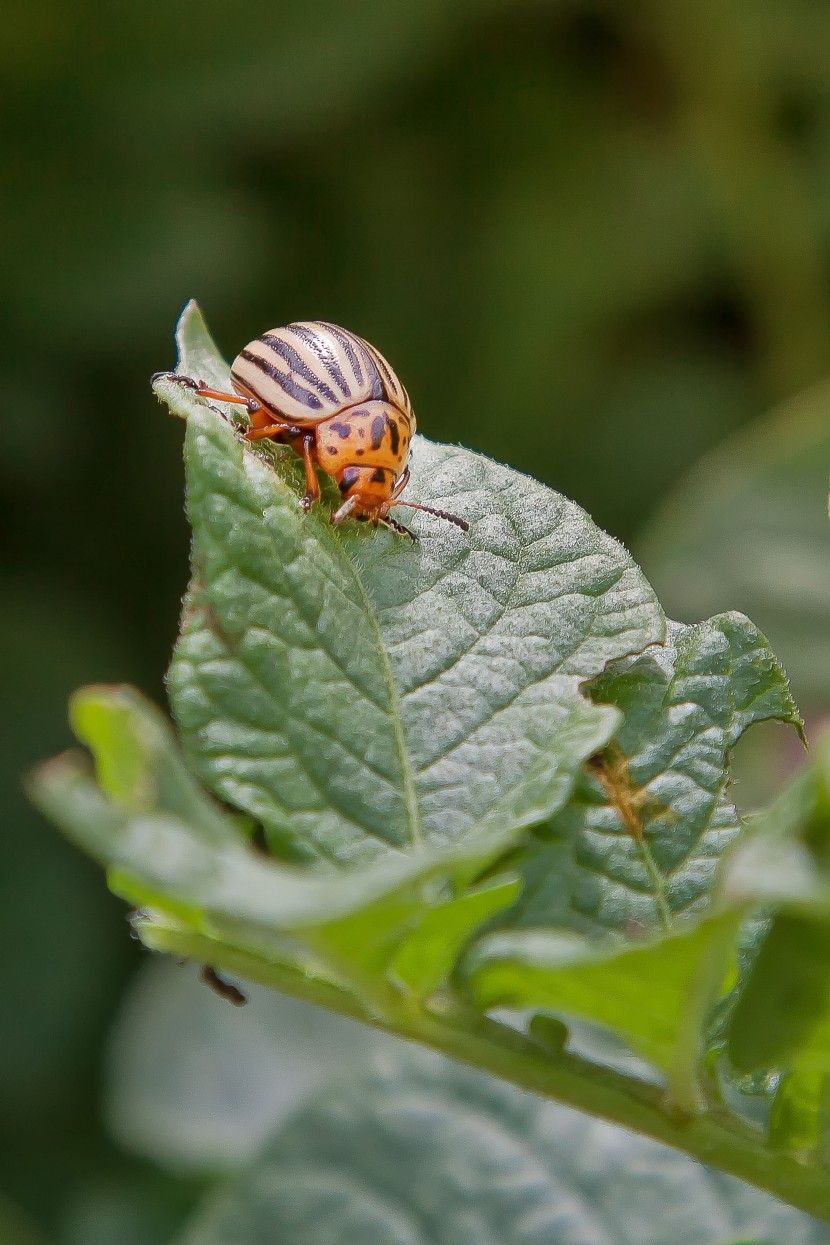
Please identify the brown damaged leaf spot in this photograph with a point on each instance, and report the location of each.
(610, 768)
(632, 803)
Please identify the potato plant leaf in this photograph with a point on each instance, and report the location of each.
(419, 1149)
(354, 692)
(800, 1111)
(168, 848)
(421, 731)
(655, 996)
(782, 1013)
(637, 846)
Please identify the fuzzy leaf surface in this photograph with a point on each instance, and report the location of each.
(354, 692)
(169, 849)
(422, 1150)
(637, 846)
(658, 995)
(655, 997)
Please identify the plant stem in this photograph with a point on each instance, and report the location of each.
(714, 1137)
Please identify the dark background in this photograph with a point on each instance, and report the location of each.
(593, 238)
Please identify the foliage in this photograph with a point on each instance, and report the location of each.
(748, 527)
(591, 236)
(490, 775)
(533, 1172)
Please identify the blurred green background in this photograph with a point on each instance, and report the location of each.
(593, 238)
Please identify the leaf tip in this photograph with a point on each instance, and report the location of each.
(94, 699)
(46, 781)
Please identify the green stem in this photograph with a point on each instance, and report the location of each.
(714, 1137)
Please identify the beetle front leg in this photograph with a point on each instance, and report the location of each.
(312, 484)
(272, 432)
(399, 527)
(204, 391)
(401, 485)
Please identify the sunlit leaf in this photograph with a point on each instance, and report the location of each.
(654, 996)
(638, 846)
(353, 691)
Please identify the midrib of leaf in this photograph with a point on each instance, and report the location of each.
(431, 795)
(660, 897)
(235, 649)
(503, 610)
(613, 754)
(409, 822)
(411, 796)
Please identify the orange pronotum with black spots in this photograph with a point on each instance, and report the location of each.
(337, 402)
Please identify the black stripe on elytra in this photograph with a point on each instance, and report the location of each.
(378, 429)
(323, 353)
(378, 387)
(297, 364)
(345, 340)
(384, 367)
(284, 381)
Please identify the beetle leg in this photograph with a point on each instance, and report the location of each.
(203, 391)
(402, 483)
(399, 527)
(261, 434)
(440, 514)
(312, 484)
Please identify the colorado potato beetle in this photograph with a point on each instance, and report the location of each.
(336, 401)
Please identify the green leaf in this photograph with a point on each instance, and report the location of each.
(138, 766)
(782, 1014)
(339, 938)
(427, 956)
(788, 993)
(168, 849)
(656, 996)
(423, 1150)
(748, 528)
(200, 1086)
(800, 1114)
(353, 692)
(638, 845)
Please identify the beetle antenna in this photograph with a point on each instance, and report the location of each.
(440, 514)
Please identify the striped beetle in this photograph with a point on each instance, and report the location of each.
(335, 400)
